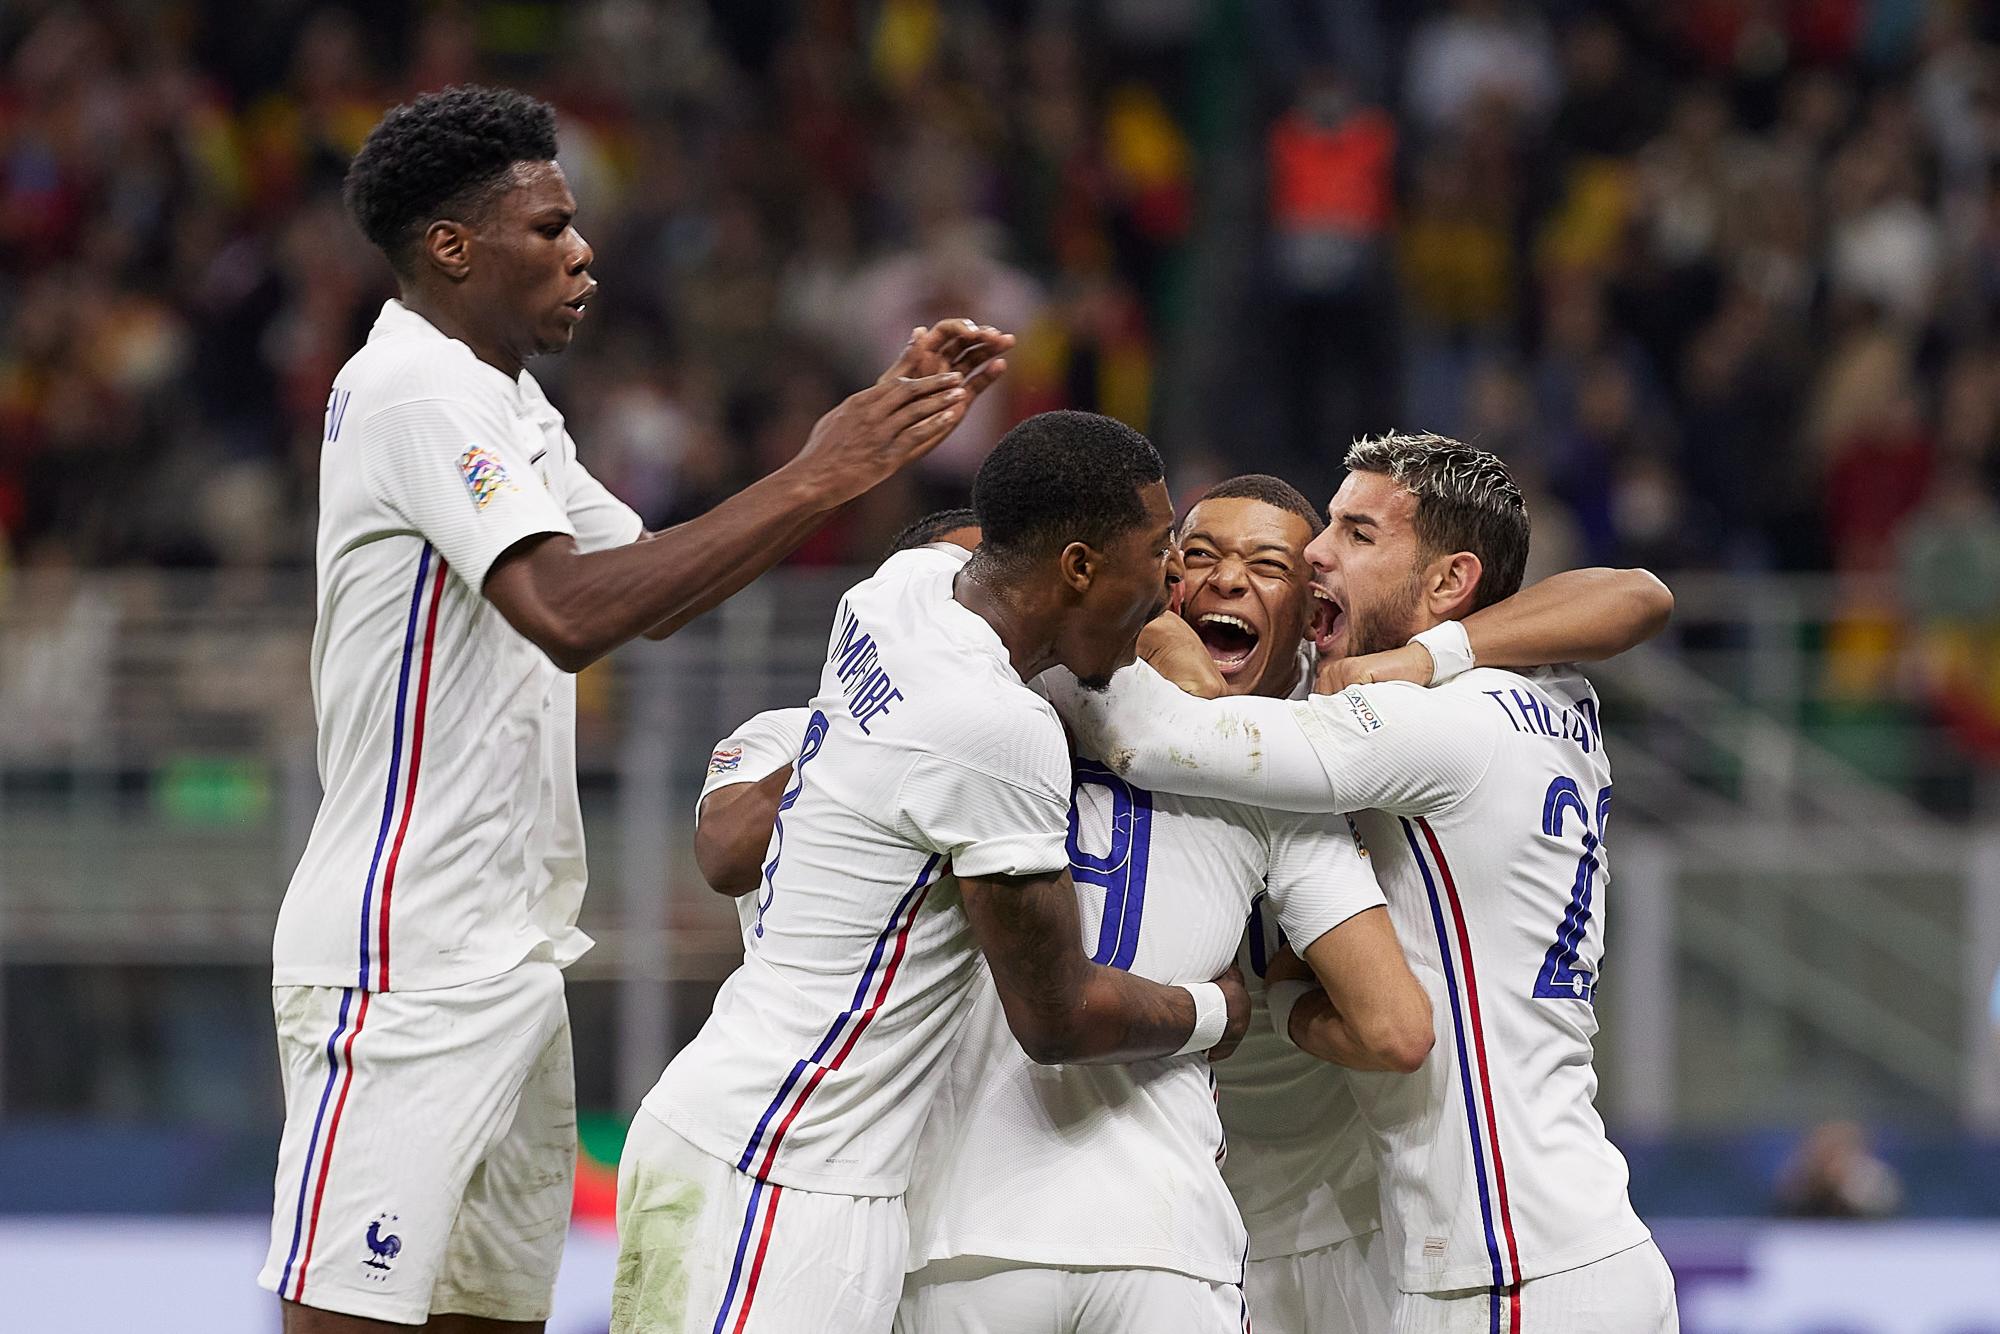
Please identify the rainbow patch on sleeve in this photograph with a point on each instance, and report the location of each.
(485, 475)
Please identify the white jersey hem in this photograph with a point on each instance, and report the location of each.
(1534, 1266)
(731, 1152)
(1011, 1252)
(562, 953)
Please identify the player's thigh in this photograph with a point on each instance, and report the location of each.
(507, 1243)
(701, 1246)
(978, 1296)
(1142, 1301)
(1339, 1289)
(1631, 1292)
(391, 1100)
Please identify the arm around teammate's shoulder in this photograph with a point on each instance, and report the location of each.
(1576, 616)
(1061, 1007)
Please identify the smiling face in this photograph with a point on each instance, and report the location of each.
(1370, 564)
(1248, 592)
(529, 272)
(1122, 586)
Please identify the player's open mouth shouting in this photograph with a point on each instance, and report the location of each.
(1329, 623)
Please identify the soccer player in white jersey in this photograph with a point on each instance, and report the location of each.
(924, 825)
(1483, 804)
(999, 1242)
(1166, 883)
(467, 562)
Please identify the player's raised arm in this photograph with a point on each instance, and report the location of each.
(1576, 616)
(1065, 1009)
(578, 606)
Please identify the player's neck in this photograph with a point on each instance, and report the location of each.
(1027, 634)
(452, 323)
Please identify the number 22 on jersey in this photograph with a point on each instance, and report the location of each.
(1561, 978)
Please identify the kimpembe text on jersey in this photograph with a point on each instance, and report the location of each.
(1531, 711)
(866, 684)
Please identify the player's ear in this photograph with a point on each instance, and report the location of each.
(447, 248)
(1452, 584)
(1078, 564)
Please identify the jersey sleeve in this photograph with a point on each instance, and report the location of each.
(601, 520)
(995, 801)
(754, 751)
(1318, 876)
(450, 467)
(1389, 747)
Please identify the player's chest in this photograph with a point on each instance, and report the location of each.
(1163, 889)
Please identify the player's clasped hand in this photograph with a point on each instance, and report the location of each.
(1411, 662)
(904, 415)
(1238, 997)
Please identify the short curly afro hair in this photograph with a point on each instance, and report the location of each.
(1062, 477)
(448, 153)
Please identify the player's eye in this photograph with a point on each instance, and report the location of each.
(1201, 554)
(553, 230)
(1273, 567)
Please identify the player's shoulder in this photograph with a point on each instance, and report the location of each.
(1383, 710)
(402, 363)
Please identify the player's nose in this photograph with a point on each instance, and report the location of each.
(1231, 575)
(1319, 551)
(582, 257)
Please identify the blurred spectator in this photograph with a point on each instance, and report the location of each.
(1331, 158)
(1832, 1174)
(1481, 52)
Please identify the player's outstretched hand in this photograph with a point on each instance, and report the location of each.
(976, 351)
(1411, 662)
(1238, 997)
(1170, 646)
(875, 433)
(906, 413)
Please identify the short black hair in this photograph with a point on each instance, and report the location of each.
(1466, 501)
(1062, 477)
(1273, 491)
(932, 528)
(446, 153)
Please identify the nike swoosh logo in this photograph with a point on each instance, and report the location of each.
(539, 456)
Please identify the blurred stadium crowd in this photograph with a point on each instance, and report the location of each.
(1718, 277)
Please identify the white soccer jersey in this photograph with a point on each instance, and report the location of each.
(1483, 805)
(924, 752)
(1164, 884)
(449, 843)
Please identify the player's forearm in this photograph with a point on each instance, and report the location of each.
(1575, 616)
(1108, 1016)
(1243, 748)
(735, 831)
(1318, 1029)
(578, 607)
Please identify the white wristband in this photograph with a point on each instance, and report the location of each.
(1281, 998)
(1211, 1016)
(1450, 650)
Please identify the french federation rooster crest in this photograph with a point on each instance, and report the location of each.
(383, 1249)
